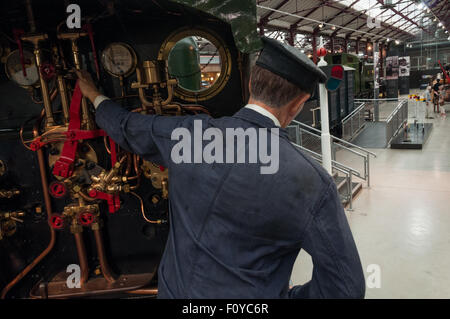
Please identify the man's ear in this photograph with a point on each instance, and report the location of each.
(297, 104)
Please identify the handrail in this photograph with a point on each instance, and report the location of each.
(335, 138)
(386, 99)
(348, 168)
(345, 119)
(337, 143)
(391, 132)
(395, 111)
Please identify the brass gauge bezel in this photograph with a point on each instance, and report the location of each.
(35, 84)
(224, 53)
(133, 56)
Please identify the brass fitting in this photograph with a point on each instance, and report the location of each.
(9, 193)
(12, 216)
(110, 181)
(154, 76)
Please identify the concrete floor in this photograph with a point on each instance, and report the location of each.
(402, 223)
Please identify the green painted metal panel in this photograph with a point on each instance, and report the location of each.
(240, 14)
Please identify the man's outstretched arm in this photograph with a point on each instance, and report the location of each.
(337, 271)
(145, 135)
(132, 131)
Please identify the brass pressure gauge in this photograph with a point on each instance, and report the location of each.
(25, 75)
(119, 59)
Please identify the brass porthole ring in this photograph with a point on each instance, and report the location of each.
(225, 58)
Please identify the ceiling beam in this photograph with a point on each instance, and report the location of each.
(266, 17)
(295, 24)
(342, 11)
(402, 15)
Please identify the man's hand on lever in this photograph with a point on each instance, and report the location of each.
(87, 85)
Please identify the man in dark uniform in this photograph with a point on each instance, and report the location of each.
(236, 229)
(436, 95)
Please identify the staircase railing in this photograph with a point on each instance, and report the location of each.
(395, 120)
(354, 122)
(310, 138)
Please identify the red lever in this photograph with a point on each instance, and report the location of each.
(113, 200)
(64, 165)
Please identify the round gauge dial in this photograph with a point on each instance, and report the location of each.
(28, 75)
(119, 59)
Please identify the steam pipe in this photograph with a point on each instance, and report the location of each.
(48, 206)
(62, 88)
(106, 270)
(82, 257)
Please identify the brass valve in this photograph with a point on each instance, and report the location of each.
(154, 76)
(80, 215)
(159, 176)
(111, 181)
(8, 222)
(9, 193)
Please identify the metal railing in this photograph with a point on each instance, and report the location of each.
(380, 108)
(354, 122)
(310, 138)
(395, 120)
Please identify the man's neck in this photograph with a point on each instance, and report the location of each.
(273, 111)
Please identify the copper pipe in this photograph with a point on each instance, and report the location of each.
(136, 164)
(106, 271)
(141, 203)
(30, 16)
(195, 108)
(35, 39)
(73, 37)
(145, 103)
(86, 197)
(133, 188)
(48, 206)
(82, 257)
(62, 88)
(105, 141)
(129, 162)
(144, 291)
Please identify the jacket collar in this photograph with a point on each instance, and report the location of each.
(260, 120)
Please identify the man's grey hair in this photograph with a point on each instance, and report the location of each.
(271, 89)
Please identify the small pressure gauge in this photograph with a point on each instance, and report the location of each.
(119, 59)
(24, 75)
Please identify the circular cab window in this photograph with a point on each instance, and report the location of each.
(199, 60)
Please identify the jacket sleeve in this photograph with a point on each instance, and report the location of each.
(337, 269)
(149, 136)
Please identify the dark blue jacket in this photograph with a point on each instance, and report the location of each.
(235, 233)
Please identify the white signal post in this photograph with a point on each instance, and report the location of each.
(324, 121)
